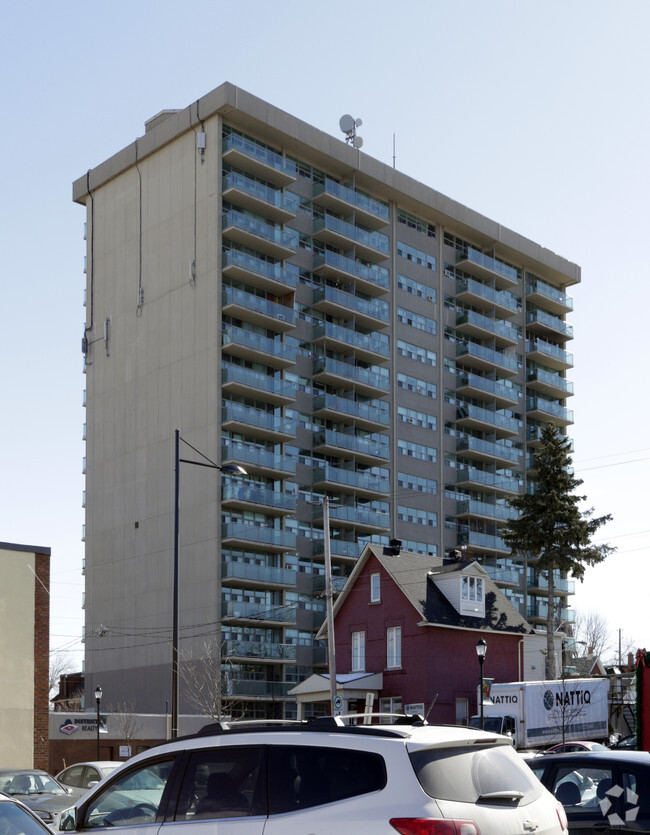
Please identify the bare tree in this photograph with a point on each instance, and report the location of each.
(60, 665)
(209, 682)
(591, 627)
(127, 721)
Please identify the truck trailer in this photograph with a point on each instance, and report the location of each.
(537, 714)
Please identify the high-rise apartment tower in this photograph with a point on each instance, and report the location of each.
(336, 329)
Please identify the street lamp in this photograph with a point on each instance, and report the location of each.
(232, 469)
(481, 649)
(98, 699)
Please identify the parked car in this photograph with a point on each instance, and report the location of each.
(18, 819)
(323, 776)
(625, 743)
(80, 777)
(568, 747)
(600, 790)
(38, 790)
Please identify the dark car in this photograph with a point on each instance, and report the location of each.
(601, 791)
(18, 819)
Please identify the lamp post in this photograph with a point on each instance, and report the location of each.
(98, 700)
(481, 649)
(233, 469)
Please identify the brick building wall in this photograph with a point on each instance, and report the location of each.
(41, 660)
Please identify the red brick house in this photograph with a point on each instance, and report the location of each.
(410, 624)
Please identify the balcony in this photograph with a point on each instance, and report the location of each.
(337, 373)
(350, 481)
(250, 575)
(342, 549)
(258, 235)
(258, 160)
(483, 388)
(259, 461)
(504, 576)
(538, 610)
(369, 313)
(245, 497)
(484, 266)
(489, 451)
(483, 542)
(369, 279)
(249, 345)
(548, 411)
(368, 347)
(485, 420)
(340, 409)
(483, 327)
(342, 200)
(484, 510)
(250, 194)
(265, 425)
(261, 651)
(240, 381)
(553, 385)
(539, 322)
(371, 246)
(273, 278)
(473, 292)
(252, 689)
(365, 449)
(362, 518)
(548, 354)
(257, 310)
(471, 478)
(549, 297)
(262, 537)
(561, 585)
(258, 614)
(486, 359)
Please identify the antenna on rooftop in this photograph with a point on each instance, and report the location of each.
(349, 125)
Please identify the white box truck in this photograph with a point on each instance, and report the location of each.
(537, 714)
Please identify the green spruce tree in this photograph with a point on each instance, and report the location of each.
(550, 527)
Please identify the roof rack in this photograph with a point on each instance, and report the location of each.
(347, 723)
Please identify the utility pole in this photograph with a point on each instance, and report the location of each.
(331, 649)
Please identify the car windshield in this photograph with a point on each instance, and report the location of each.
(26, 782)
(14, 820)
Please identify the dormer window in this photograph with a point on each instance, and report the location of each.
(472, 589)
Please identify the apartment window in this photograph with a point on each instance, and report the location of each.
(375, 588)
(416, 516)
(394, 647)
(416, 320)
(416, 255)
(415, 288)
(416, 352)
(358, 652)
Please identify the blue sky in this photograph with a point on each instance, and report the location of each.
(534, 113)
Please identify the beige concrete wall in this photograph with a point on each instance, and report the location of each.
(17, 659)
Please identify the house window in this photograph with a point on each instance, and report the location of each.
(393, 647)
(472, 589)
(375, 589)
(393, 704)
(462, 711)
(358, 652)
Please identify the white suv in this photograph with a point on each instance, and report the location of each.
(322, 777)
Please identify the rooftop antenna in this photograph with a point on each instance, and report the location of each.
(349, 125)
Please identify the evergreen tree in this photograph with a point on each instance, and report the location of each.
(550, 527)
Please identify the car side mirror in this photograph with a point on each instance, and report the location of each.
(92, 783)
(68, 820)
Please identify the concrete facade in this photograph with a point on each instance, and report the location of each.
(24, 655)
(329, 324)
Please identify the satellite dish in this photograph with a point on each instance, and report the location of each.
(358, 123)
(357, 142)
(347, 123)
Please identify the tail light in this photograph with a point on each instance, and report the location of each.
(564, 823)
(433, 826)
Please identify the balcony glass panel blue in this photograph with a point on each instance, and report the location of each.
(490, 386)
(495, 480)
(467, 410)
(261, 534)
(258, 457)
(498, 297)
(377, 343)
(375, 308)
(552, 293)
(281, 200)
(550, 350)
(552, 380)
(282, 237)
(351, 372)
(254, 379)
(537, 404)
(476, 508)
(260, 649)
(272, 347)
(372, 240)
(376, 414)
(257, 611)
(339, 548)
(255, 151)
(504, 575)
(367, 446)
(359, 515)
(482, 540)
(236, 258)
(245, 688)
(351, 479)
(552, 322)
(258, 495)
(232, 295)
(495, 326)
(539, 609)
(480, 259)
(488, 354)
(472, 444)
(352, 197)
(258, 573)
(377, 275)
(259, 418)
(560, 584)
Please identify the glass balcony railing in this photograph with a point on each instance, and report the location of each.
(234, 142)
(547, 407)
(539, 317)
(258, 611)
(482, 540)
(350, 478)
(359, 515)
(472, 507)
(371, 240)
(258, 573)
(497, 481)
(263, 535)
(257, 304)
(259, 457)
(352, 198)
(553, 381)
(541, 288)
(256, 380)
(479, 259)
(497, 327)
(561, 584)
(539, 609)
(373, 308)
(258, 266)
(354, 443)
(550, 351)
(379, 276)
(375, 344)
(231, 335)
(351, 372)
(504, 575)
(468, 412)
(283, 238)
(259, 418)
(259, 649)
(338, 548)
(494, 387)
(284, 201)
(258, 495)
(488, 448)
(501, 298)
(364, 411)
(244, 688)
(488, 355)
